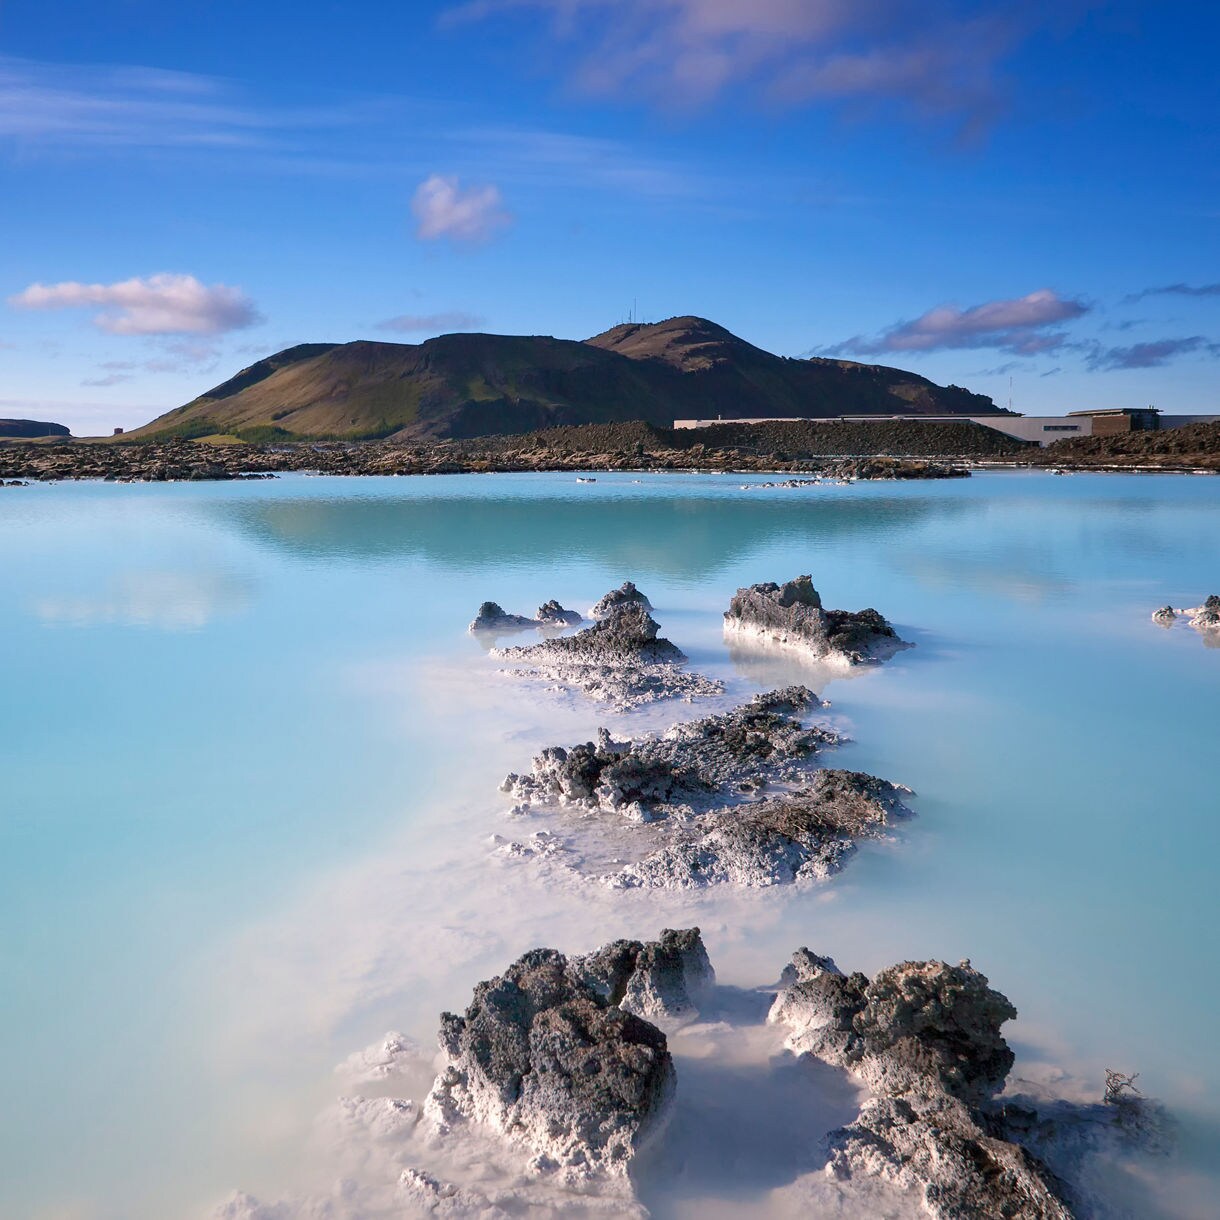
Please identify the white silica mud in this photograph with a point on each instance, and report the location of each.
(253, 821)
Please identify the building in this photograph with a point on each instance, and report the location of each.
(1044, 429)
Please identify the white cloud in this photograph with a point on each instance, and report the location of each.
(1022, 326)
(434, 323)
(162, 304)
(940, 56)
(444, 209)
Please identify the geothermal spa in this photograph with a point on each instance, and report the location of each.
(250, 769)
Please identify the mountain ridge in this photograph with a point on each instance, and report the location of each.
(470, 384)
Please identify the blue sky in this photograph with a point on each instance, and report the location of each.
(1017, 199)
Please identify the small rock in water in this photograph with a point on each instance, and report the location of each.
(552, 614)
(792, 614)
(625, 595)
(620, 659)
(493, 618)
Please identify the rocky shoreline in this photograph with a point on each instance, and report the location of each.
(191, 461)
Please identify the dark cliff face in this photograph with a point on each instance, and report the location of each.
(31, 429)
(469, 385)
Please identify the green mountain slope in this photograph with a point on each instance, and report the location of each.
(476, 385)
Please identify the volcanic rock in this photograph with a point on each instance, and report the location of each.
(656, 979)
(625, 595)
(792, 614)
(545, 1060)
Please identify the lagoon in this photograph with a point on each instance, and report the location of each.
(250, 767)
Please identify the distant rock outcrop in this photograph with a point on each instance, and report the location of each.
(792, 614)
(1205, 619)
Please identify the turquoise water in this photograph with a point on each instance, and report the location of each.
(250, 760)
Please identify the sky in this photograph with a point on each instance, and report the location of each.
(1022, 199)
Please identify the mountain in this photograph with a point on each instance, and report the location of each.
(470, 385)
(28, 429)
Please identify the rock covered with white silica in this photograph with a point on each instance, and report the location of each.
(545, 1059)
(552, 614)
(792, 614)
(925, 1038)
(625, 595)
(663, 979)
(622, 659)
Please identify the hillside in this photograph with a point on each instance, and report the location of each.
(27, 429)
(469, 385)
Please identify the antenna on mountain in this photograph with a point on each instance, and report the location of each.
(1010, 391)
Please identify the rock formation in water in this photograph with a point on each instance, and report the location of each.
(493, 619)
(620, 659)
(695, 795)
(661, 979)
(792, 614)
(925, 1038)
(805, 834)
(1205, 619)
(545, 1059)
(699, 761)
(1207, 616)
(552, 614)
(625, 595)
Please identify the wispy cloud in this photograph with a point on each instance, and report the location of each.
(53, 105)
(938, 57)
(444, 209)
(164, 304)
(1175, 290)
(1022, 326)
(432, 323)
(1150, 355)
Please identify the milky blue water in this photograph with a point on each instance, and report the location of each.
(249, 764)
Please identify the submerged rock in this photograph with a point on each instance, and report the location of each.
(625, 595)
(621, 659)
(1166, 616)
(543, 1058)
(656, 979)
(925, 1037)
(792, 614)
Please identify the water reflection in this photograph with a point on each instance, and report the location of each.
(684, 539)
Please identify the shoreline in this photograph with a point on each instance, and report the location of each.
(190, 462)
